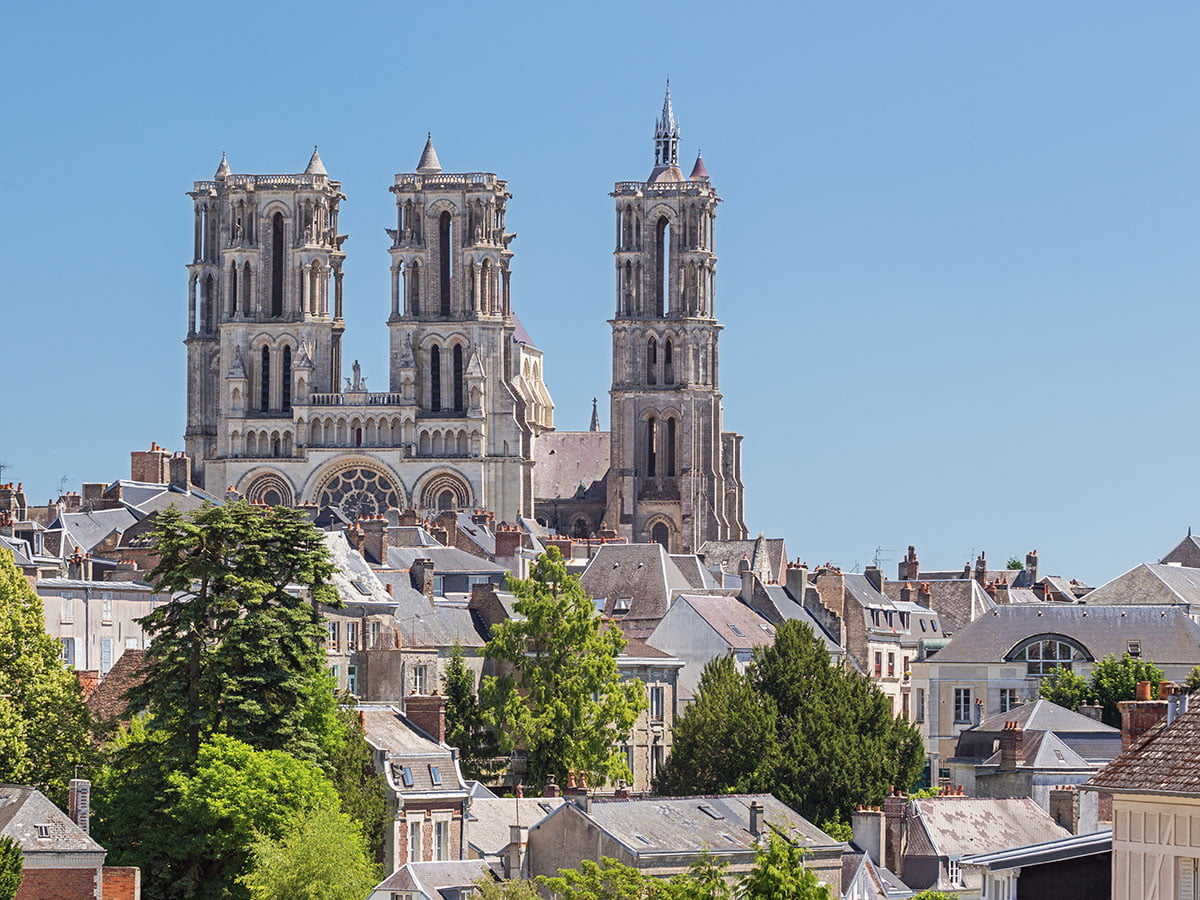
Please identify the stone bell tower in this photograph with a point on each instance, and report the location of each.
(676, 475)
(264, 312)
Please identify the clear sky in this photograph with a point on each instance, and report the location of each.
(958, 245)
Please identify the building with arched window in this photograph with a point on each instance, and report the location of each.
(270, 412)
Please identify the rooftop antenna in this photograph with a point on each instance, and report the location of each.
(880, 559)
(4, 465)
(62, 484)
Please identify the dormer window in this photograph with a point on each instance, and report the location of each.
(43, 831)
(1133, 648)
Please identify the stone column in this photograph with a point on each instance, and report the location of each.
(395, 291)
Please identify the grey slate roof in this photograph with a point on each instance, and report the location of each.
(409, 746)
(355, 580)
(1150, 583)
(87, 529)
(1042, 715)
(693, 570)
(480, 536)
(787, 608)
(489, 818)
(732, 620)
(1044, 750)
(959, 826)
(22, 554)
(1166, 760)
(1186, 552)
(957, 602)
(1167, 633)
(429, 879)
(445, 560)
(23, 808)
(1061, 850)
(681, 824)
(642, 572)
(566, 460)
(730, 553)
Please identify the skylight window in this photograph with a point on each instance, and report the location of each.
(361, 588)
(435, 774)
(765, 627)
(736, 630)
(622, 604)
(710, 812)
(642, 839)
(406, 776)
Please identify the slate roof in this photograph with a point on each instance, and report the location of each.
(880, 883)
(408, 746)
(1167, 633)
(693, 570)
(1166, 760)
(446, 560)
(23, 808)
(1150, 583)
(355, 580)
(481, 537)
(1186, 552)
(682, 824)
(429, 879)
(489, 818)
(22, 554)
(957, 602)
(642, 572)
(1044, 750)
(787, 608)
(566, 460)
(1042, 715)
(730, 553)
(959, 826)
(87, 529)
(732, 620)
(1061, 850)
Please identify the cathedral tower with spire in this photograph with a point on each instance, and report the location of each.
(675, 473)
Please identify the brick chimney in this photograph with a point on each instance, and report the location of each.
(797, 580)
(875, 577)
(1031, 566)
(1011, 740)
(550, 789)
(1064, 808)
(895, 814)
(870, 832)
(981, 568)
(481, 517)
(438, 533)
(421, 573)
(374, 539)
(509, 539)
(831, 588)
(150, 465)
(1140, 715)
(564, 544)
(925, 594)
(179, 471)
(1091, 710)
(428, 714)
(409, 519)
(910, 566)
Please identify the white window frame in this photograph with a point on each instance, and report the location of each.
(420, 677)
(106, 655)
(441, 840)
(332, 642)
(415, 829)
(106, 607)
(351, 636)
(66, 614)
(658, 702)
(68, 651)
(963, 697)
(954, 871)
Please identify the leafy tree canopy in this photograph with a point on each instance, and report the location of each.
(361, 788)
(820, 739)
(43, 722)
(1014, 564)
(237, 650)
(564, 700)
(321, 856)
(12, 867)
(1193, 680)
(779, 874)
(934, 895)
(1112, 681)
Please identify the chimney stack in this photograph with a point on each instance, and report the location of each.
(508, 541)
(179, 470)
(797, 580)
(870, 832)
(1031, 566)
(1177, 702)
(981, 568)
(875, 577)
(374, 545)
(421, 573)
(79, 803)
(1140, 715)
(550, 789)
(150, 466)
(756, 820)
(910, 566)
(1064, 807)
(1011, 739)
(514, 858)
(1091, 710)
(428, 714)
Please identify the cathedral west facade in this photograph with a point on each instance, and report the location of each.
(466, 420)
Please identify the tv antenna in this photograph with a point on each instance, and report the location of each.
(880, 559)
(3, 466)
(62, 484)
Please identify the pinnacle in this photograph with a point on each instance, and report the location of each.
(315, 166)
(429, 164)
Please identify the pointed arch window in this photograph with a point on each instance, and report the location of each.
(277, 264)
(662, 262)
(670, 449)
(265, 378)
(285, 378)
(435, 379)
(247, 292)
(651, 449)
(233, 289)
(661, 534)
(458, 378)
(652, 361)
(668, 363)
(414, 289)
(445, 245)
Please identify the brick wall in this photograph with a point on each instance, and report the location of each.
(122, 883)
(60, 884)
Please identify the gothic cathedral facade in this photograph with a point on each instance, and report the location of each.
(269, 412)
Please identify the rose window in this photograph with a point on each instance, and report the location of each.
(360, 492)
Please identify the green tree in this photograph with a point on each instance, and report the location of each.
(361, 788)
(321, 856)
(935, 895)
(237, 650)
(488, 888)
(1065, 687)
(725, 739)
(840, 745)
(236, 796)
(564, 700)
(705, 879)
(43, 722)
(466, 728)
(1014, 564)
(838, 829)
(779, 874)
(12, 867)
(606, 880)
(1114, 680)
(1193, 680)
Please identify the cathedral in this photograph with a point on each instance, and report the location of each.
(466, 420)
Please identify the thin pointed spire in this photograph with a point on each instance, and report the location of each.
(429, 164)
(666, 134)
(699, 170)
(315, 166)
(223, 168)
(595, 426)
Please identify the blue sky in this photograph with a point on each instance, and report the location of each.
(958, 244)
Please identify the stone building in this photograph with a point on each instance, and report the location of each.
(269, 411)
(674, 473)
